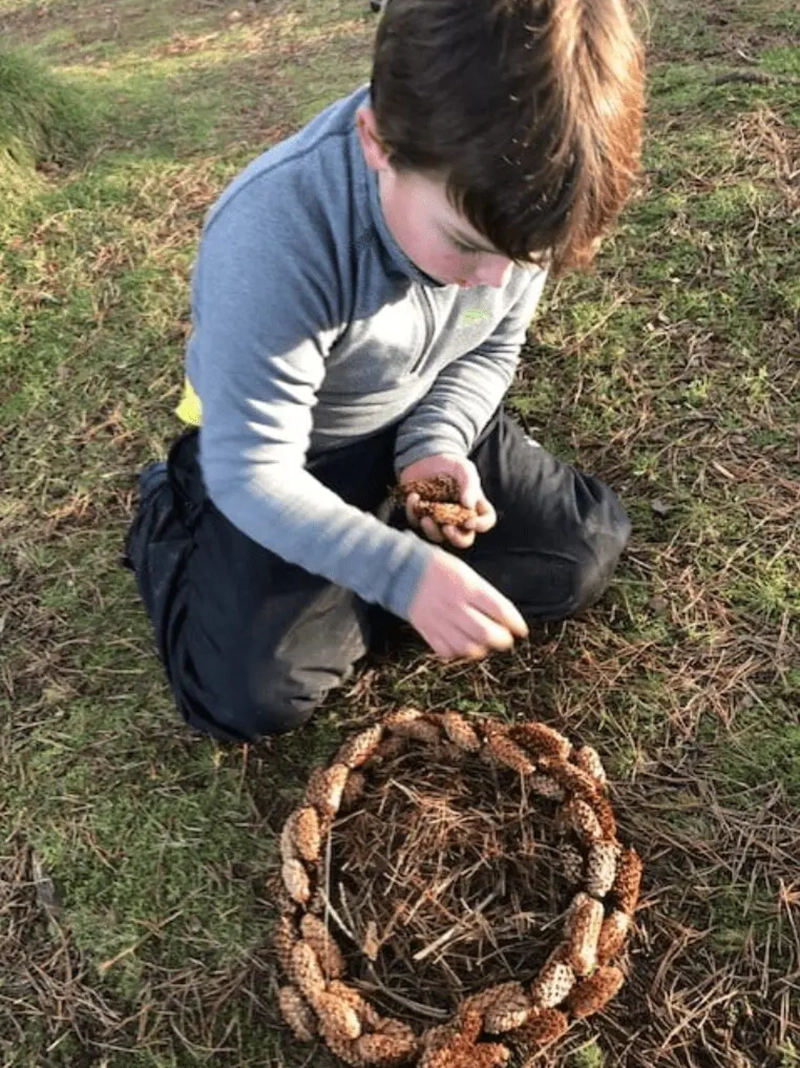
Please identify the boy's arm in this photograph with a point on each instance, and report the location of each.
(465, 395)
(263, 321)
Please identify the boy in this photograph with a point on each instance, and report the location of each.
(360, 297)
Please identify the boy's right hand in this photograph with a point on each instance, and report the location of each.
(459, 614)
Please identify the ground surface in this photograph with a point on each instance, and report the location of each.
(134, 918)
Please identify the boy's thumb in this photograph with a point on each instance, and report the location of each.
(471, 490)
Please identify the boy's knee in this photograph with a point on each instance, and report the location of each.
(605, 536)
(278, 714)
(277, 704)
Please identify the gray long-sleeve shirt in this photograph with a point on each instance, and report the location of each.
(312, 329)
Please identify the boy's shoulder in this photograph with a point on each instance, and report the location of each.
(317, 159)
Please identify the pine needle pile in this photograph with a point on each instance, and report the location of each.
(453, 894)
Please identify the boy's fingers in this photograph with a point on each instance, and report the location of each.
(460, 537)
(431, 531)
(412, 500)
(486, 633)
(497, 607)
(486, 518)
(470, 486)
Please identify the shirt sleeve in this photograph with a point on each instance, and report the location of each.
(466, 393)
(264, 304)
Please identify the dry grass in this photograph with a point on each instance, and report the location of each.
(449, 880)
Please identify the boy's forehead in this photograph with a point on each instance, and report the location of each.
(449, 217)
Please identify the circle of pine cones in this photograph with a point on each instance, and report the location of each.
(579, 977)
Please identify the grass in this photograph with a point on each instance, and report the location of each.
(134, 918)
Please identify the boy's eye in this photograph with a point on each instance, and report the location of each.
(464, 248)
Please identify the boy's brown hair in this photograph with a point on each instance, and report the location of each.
(531, 109)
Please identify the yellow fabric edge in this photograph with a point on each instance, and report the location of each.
(190, 410)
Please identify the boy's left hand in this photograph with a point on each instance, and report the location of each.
(466, 475)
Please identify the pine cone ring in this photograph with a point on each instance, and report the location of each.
(517, 1018)
(439, 498)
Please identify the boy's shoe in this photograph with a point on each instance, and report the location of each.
(377, 5)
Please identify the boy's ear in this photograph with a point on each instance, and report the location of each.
(375, 151)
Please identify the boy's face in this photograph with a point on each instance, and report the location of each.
(426, 226)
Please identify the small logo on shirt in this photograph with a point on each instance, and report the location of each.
(474, 315)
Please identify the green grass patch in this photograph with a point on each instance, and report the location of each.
(43, 119)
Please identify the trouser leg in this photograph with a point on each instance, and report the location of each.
(251, 644)
(559, 533)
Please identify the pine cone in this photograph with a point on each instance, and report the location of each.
(544, 743)
(594, 992)
(435, 1039)
(506, 752)
(575, 780)
(507, 1014)
(456, 515)
(367, 1014)
(584, 924)
(628, 881)
(325, 786)
(297, 1013)
(605, 816)
(456, 1044)
(278, 894)
(358, 749)
(423, 731)
(343, 1048)
(288, 850)
(613, 934)
(491, 996)
(460, 732)
(390, 747)
(582, 819)
(284, 939)
(322, 942)
(546, 786)
(306, 972)
(552, 984)
(353, 790)
(442, 488)
(542, 1027)
(448, 753)
(486, 1055)
(318, 903)
(571, 864)
(588, 759)
(336, 1017)
(306, 833)
(295, 879)
(388, 1025)
(601, 867)
(386, 1048)
(399, 719)
(411, 723)
(461, 1055)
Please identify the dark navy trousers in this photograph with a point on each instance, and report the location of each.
(251, 644)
